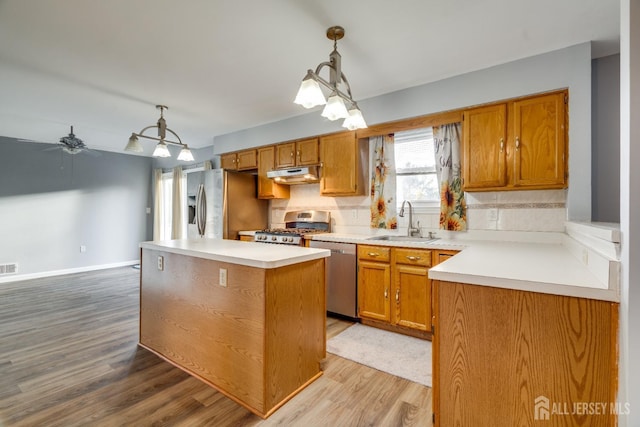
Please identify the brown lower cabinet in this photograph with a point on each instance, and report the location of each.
(504, 357)
(394, 289)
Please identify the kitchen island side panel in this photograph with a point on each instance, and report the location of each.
(295, 328)
(505, 357)
(213, 332)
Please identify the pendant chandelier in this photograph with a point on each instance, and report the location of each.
(309, 95)
(161, 149)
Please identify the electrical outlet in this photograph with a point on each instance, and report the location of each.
(223, 277)
(161, 263)
(83, 248)
(354, 214)
(585, 256)
(148, 210)
(492, 214)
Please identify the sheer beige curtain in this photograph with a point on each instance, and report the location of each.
(178, 224)
(157, 204)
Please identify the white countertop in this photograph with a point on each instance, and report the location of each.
(251, 254)
(546, 267)
(536, 267)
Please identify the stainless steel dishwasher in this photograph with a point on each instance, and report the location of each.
(342, 288)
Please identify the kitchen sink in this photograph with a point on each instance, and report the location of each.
(403, 239)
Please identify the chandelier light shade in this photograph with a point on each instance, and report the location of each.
(134, 145)
(355, 120)
(309, 95)
(335, 108)
(185, 155)
(340, 104)
(161, 150)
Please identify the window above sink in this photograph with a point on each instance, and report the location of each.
(416, 169)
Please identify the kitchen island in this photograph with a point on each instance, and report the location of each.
(246, 318)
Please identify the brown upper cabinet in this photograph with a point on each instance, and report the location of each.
(343, 158)
(267, 187)
(540, 141)
(484, 143)
(297, 153)
(516, 145)
(241, 160)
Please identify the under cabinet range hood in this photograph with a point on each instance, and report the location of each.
(298, 175)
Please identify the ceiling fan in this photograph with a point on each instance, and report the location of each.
(72, 145)
(69, 144)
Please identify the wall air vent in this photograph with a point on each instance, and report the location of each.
(8, 268)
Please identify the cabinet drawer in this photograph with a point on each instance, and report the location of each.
(374, 253)
(412, 256)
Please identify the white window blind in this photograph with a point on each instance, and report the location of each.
(416, 178)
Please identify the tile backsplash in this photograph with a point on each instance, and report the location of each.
(532, 210)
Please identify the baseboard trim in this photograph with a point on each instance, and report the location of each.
(19, 277)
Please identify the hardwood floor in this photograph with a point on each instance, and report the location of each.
(69, 356)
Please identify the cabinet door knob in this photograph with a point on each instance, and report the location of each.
(398, 295)
(501, 145)
(373, 254)
(517, 143)
(413, 258)
(386, 293)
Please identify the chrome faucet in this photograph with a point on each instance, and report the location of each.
(411, 230)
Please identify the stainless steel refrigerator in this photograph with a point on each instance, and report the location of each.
(221, 203)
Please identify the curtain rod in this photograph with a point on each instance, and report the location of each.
(189, 168)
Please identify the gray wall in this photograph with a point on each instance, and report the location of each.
(605, 125)
(565, 68)
(52, 202)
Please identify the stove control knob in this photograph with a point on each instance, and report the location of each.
(291, 239)
(274, 238)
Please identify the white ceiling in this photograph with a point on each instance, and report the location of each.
(226, 65)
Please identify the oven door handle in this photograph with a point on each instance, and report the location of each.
(337, 251)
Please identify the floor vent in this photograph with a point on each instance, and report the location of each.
(8, 268)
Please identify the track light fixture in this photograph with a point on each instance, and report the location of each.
(309, 95)
(161, 149)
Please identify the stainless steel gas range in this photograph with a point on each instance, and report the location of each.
(297, 225)
(340, 270)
